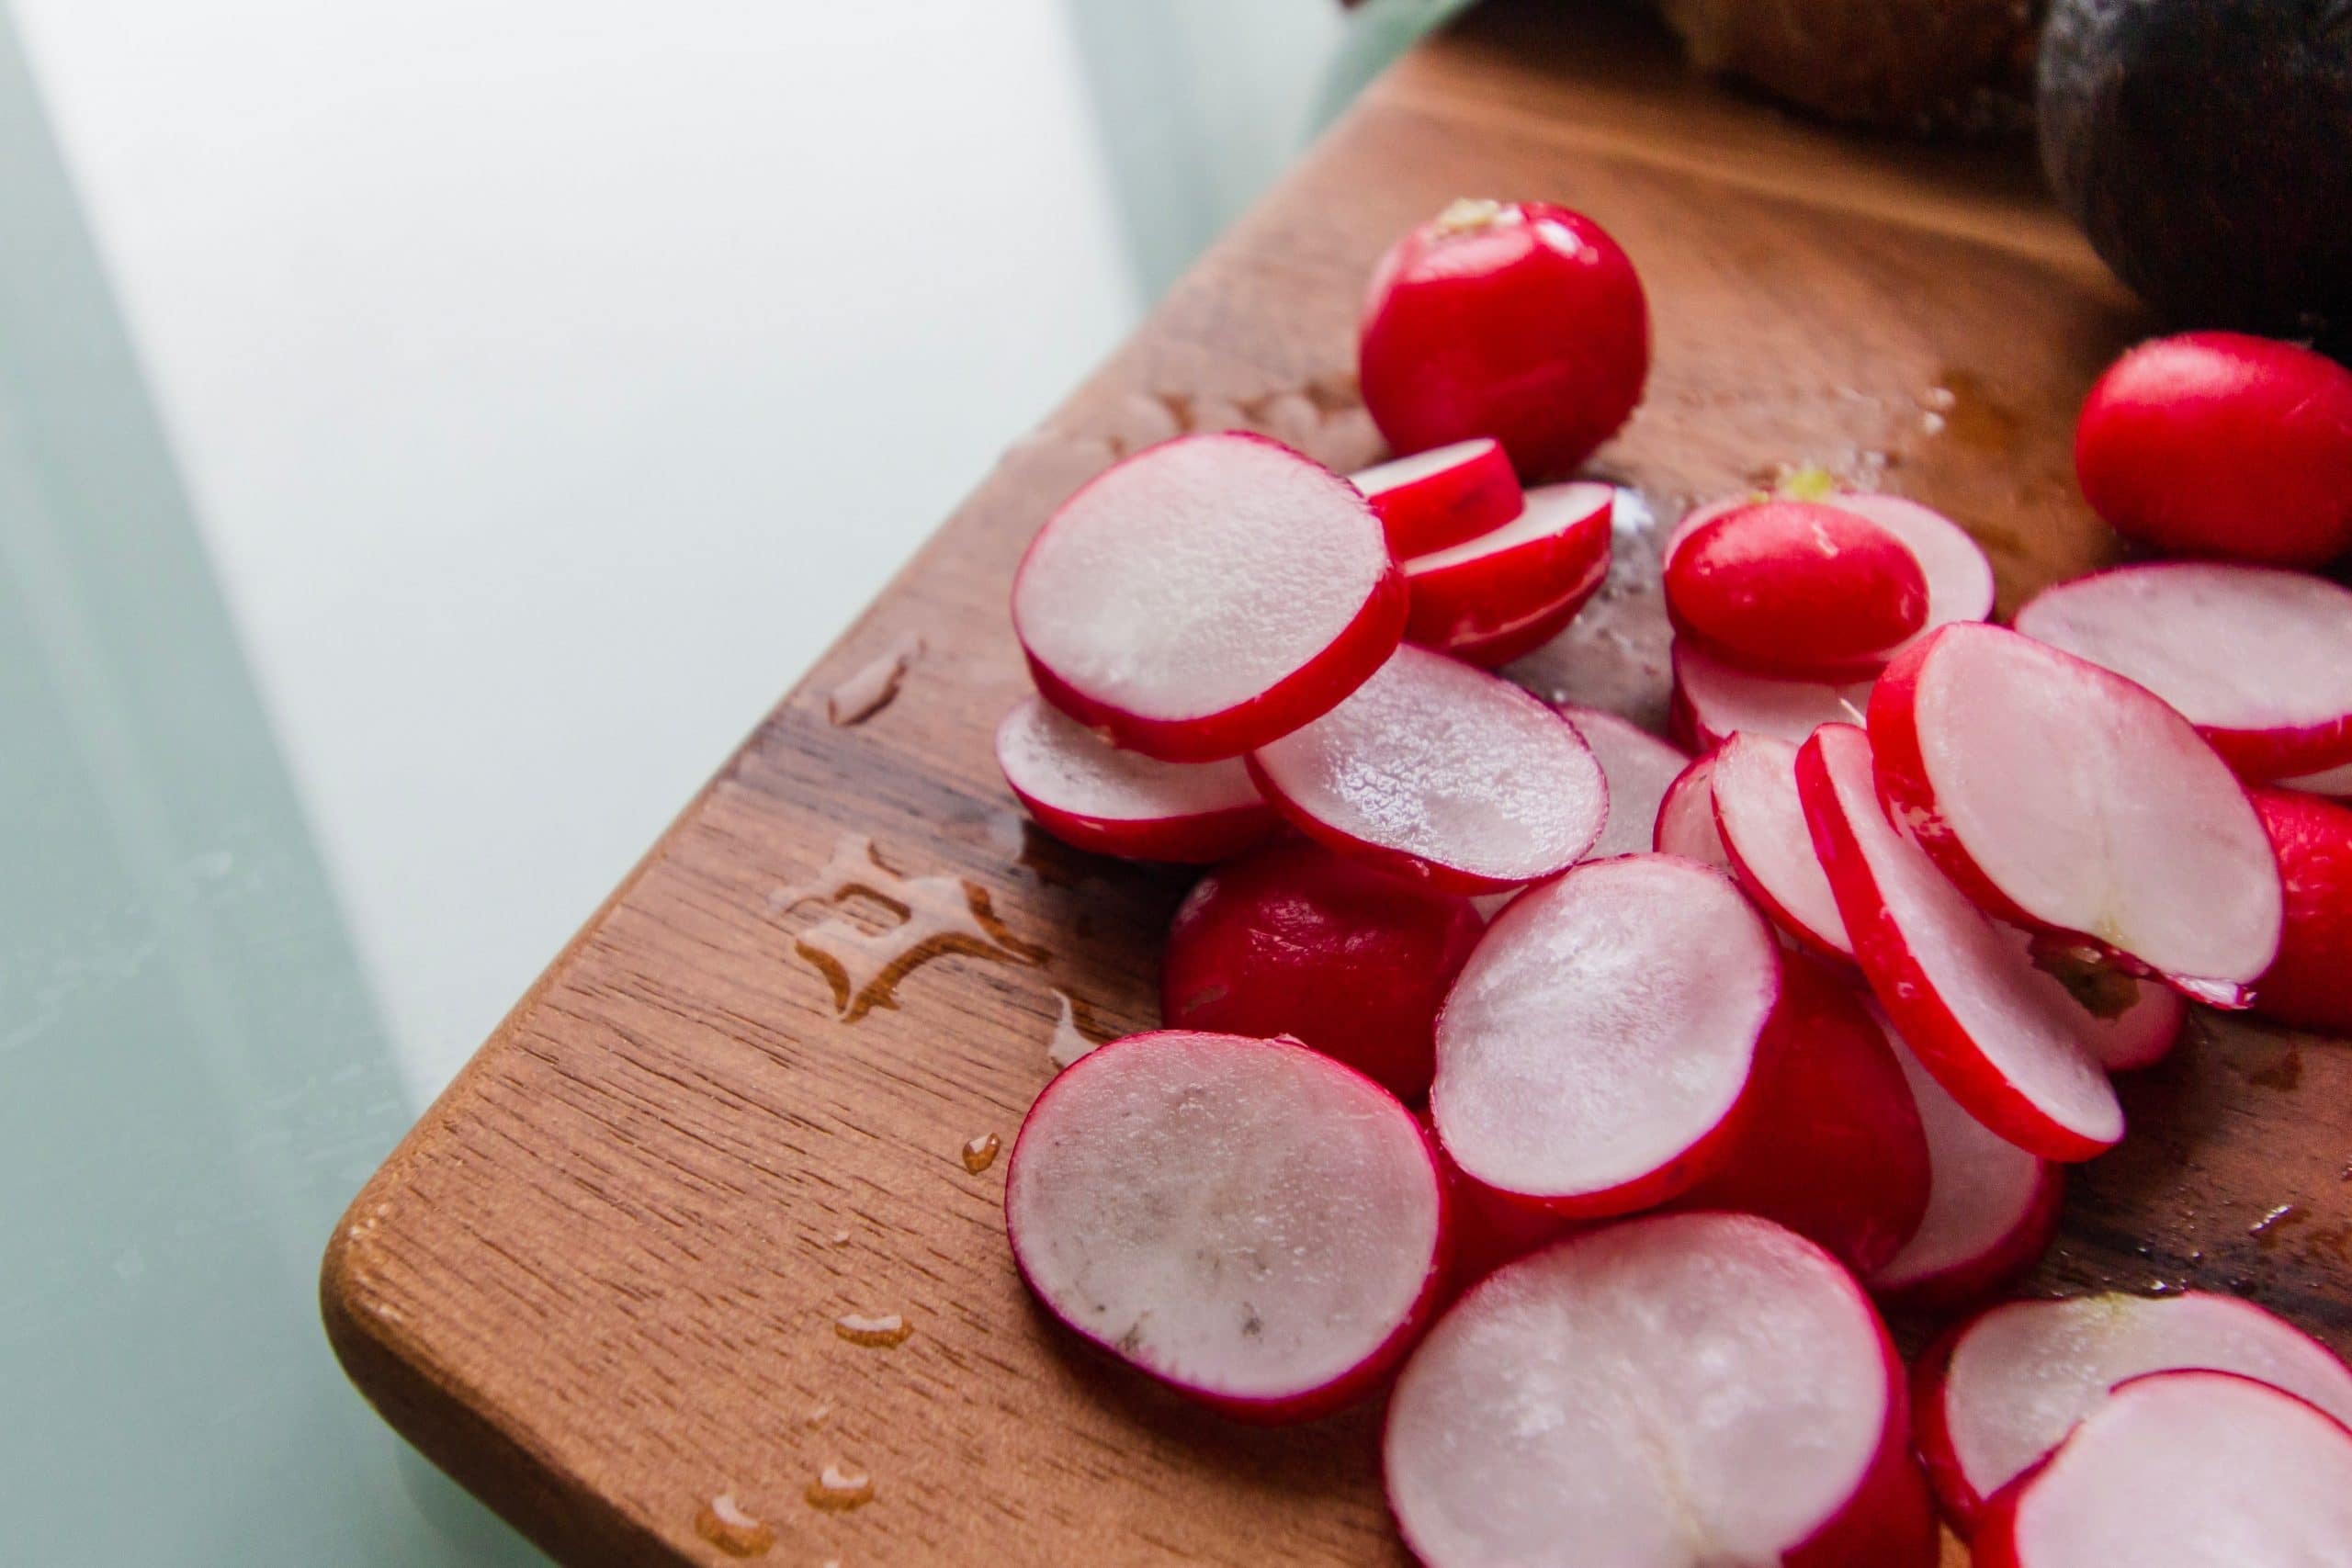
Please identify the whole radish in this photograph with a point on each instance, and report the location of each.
(1521, 321)
(2219, 444)
(2309, 985)
(1796, 590)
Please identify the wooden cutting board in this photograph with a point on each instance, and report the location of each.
(600, 1282)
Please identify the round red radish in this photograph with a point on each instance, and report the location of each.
(2125, 1022)
(1721, 701)
(1686, 817)
(2064, 797)
(1294, 940)
(1761, 826)
(1435, 770)
(1999, 1391)
(1206, 596)
(1434, 499)
(1832, 1145)
(1122, 803)
(1795, 588)
(2309, 985)
(2218, 444)
(1972, 1007)
(1681, 1391)
(1638, 766)
(1597, 1051)
(1246, 1220)
(1521, 321)
(1992, 1208)
(2334, 783)
(2188, 1469)
(1555, 552)
(2258, 660)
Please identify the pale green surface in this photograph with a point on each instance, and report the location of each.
(361, 529)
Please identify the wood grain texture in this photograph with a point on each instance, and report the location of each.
(598, 1282)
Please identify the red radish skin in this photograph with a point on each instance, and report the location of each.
(1442, 772)
(1521, 321)
(2258, 660)
(1517, 642)
(1832, 1147)
(1555, 552)
(2310, 983)
(1639, 768)
(1431, 500)
(1686, 817)
(1796, 590)
(1760, 823)
(2062, 798)
(1719, 701)
(1678, 1390)
(1122, 803)
(1596, 1053)
(1297, 941)
(1486, 1229)
(1992, 1208)
(1994, 1394)
(1152, 1161)
(2219, 444)
(1972, 1008)
(1206, 596)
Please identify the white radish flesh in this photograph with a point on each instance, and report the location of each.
(1593, 1051)
(1442, 496)
(1206, 595)
(2125, 1022)
(1245, 1219)
(1439, 771)
(1681, 1391)
(1639, 767)
(1122, 803)
(1686, 817)
(1762, 827)
(1722, 700)
(2335, 783)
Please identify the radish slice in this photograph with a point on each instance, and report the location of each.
(1992, 1208)
(2335, 783)
(1956, 986)
(1524, 570)
(1638, 766)
(1513, 642)
(2002, 1389)
(2065, 798)
(1121, 802)
(1723, 702)
(1795, 588)
(1206, 596)
(1682, 1391)
(1484, 1229)
(2125, 1022)
(1436, 770)
(1245, 1219)
(1686, 817)
(2258, 660)
(1594, 1051)
(1832, 1148)
(1443, 496)
(2191, 1470)
(1762, 824)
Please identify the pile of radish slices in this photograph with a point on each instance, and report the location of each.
(1593, 1100)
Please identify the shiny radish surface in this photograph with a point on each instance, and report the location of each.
(1555, 552)
(1092, 796)
(1442, 497)
(1761, 825)
(2309, 985)
(1638, 766)
(1795, 588)
(1720, 701)
(1686, 817)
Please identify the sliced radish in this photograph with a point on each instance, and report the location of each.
(1762, 824)
(1992, 1208)
(1443, 496)
(1437, 770)
(2066, 798)
(1722, 702)
(2125, 1022)
(1686, 817)
(1206, 596)
(1494, 651)
(1795, 588)
(1473, 591)
(1122, 803)
(1682, 1391)
(1594, 1052)
(2189, 1469)
(2310, 984)
(1638, 766)
(2258, 660)
(1245, 1219)
(2335, 783)
(1969, 1004)
(2002, 1389)
(1486, 1229)
(1832, 1148)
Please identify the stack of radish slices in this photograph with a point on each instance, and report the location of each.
(1628, 1087)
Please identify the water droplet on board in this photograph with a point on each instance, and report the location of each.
(1070, 1042)
(841, 1238)
(837, 1491)
(2267, 1229)
(879, 1331)
(871, 687)
(724, 1524)
(817, 1417)
(933, 916)
(980, 1153)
